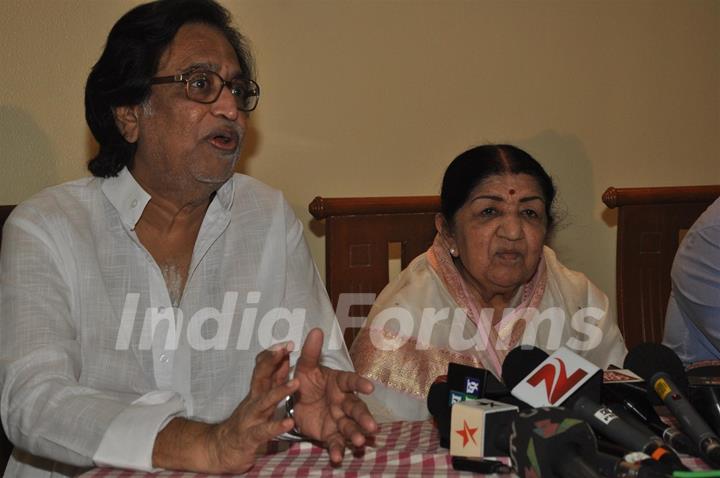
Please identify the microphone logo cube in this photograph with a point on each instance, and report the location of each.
(456, 397)
(474, 425)
(472, 386)
(555, 379)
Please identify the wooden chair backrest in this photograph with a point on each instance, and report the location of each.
(4, 213)
(651, 223)
(5, 445)
(358, 235)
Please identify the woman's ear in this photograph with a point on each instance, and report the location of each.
(443, 228)
(127, 120)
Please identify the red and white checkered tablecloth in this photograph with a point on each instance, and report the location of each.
(399, 449)
(407, 449)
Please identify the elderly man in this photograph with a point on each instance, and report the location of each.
(136, 304)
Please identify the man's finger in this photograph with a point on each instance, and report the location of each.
(282, 372)
(336, 448)
(310, 353)
(266, 362)
(275, 395)
(266, 431)
(357, 410)
(353, 382)
(351, 431)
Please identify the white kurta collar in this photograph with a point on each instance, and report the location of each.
(127, 196)
(130, 199)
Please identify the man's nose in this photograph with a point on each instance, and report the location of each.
(226, 105)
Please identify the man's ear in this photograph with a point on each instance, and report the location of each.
(127, 119)
(443, 228)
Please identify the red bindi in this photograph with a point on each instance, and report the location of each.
(512, 191)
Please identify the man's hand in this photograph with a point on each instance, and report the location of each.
(231, 446)
(326, 404)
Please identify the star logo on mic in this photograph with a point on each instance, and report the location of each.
(467, 433)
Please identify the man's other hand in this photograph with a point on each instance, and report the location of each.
(327, 407)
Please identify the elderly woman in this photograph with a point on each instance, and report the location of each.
(486, 285)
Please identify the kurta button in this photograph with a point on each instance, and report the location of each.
(133, 203)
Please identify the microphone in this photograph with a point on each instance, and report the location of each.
(479, 428)
(648, 358)
(439, 408)
(574, 381)
(706, 440)
(519, 362)
(612, 466)
(704, 380)
(630, 400)
(471, 383)
(461, 383)
(659, 366)
(555, 379)
(635, 438)
(550, 442)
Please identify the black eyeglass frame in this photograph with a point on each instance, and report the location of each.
(185, 78)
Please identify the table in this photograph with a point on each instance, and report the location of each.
(399, 448)
(409, 449)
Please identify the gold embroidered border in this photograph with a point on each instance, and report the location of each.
(406, 369)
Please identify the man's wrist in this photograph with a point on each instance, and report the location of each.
(290, 413)
(183, 445)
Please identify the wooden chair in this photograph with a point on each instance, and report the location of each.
(651, 223)
(358, 235)
(4, 213)
(5, 446)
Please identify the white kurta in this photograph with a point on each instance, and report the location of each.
(84, 379)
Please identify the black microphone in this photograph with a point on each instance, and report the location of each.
(551, 442)
(462, 382)
(439, 407)
(522, 360)
(585, 401)
(704, 380)
(633, 437)
(659, 366)
(707, 442)
(519, 362)
(648, 358)
(630, 400)
(611, 466)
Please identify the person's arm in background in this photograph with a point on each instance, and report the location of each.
(692, 325)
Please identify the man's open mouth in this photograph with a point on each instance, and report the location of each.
(224, 140)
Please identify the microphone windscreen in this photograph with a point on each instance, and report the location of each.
(439, 407)
(470, 383)
(708, 369)
(437, 399)
(704, 378)
(647, 359)
(519, 362)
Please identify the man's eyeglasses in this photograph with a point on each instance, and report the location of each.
(205, 86)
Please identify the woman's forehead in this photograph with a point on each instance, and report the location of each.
(508, 186)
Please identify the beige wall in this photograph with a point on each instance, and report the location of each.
(365, 98)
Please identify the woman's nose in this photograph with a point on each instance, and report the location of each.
(511, 228)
